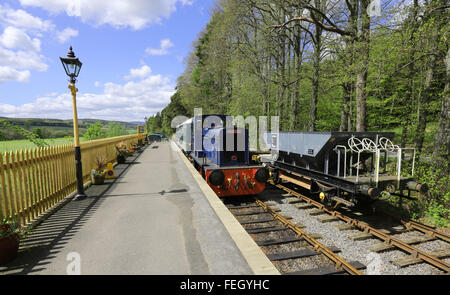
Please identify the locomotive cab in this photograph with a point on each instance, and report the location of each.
(221, 154)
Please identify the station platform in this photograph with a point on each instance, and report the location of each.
(157, 217)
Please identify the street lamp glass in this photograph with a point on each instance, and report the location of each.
(71, 64)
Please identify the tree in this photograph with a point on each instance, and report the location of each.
(115, 129)
(25, 133)
(38, 132)
(95, 131)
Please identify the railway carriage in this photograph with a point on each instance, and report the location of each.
(343, 167)
(221, 155)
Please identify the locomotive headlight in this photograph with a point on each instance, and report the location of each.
(322, 196)
(262, 175)
(217, 177)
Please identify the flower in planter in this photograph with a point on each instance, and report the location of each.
(123, 149)
(100, 164)
(9, 226)
(10, 231)
(98, 174)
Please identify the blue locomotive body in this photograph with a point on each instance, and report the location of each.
(221, 154)
(216, 150)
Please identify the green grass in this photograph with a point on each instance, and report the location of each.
(12, 145)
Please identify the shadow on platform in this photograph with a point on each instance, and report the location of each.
(41, 245)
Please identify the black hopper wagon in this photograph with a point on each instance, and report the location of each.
(343, 167)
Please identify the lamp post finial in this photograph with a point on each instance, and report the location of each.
(70, 53)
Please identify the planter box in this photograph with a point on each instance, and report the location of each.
(121, 159)
(97, 179)
(9, 245)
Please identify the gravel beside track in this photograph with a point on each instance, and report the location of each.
(377, 263)
(286, 265)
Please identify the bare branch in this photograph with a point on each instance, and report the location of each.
(318, 23)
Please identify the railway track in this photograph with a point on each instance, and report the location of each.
(291, 250)
(388, 239)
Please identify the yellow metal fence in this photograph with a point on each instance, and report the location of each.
(34, 180)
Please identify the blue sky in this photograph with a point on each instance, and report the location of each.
(132, 53)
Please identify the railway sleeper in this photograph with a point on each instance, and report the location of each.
(254, 212)
(410, 241)
(340, 201)
(412, 259)
(345, 226)
(277, 242)
(295, 201)
(362, 236)
(243, 206)
(317, 212)
(304, 206)
(262, 220)
(328, 219)
(327, 270)
(261, 230)
(305, 252)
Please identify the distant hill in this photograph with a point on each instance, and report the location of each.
(65, 123)
(137, 123)
(55, 128)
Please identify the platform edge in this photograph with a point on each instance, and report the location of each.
(256, 259)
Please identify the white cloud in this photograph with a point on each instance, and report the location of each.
(126, 102)
(20, 44)
(15, 38)
(66, 34)
(21, 19)
(10, 74)
(132, 13)
(22, 60)
(141, 72)
(163, 50)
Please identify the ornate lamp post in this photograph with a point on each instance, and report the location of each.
(72, 66)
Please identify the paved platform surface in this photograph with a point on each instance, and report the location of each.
(152, 219)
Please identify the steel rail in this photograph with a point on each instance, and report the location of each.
(426, 229)
(367, 228)
(340, 263)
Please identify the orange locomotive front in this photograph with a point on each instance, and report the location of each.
(221, 155)
(237, 180)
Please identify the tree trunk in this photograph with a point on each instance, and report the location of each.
(345, 112)
(362, 69)
(348, 84)
(315, 79)
(430, 79)
(317, 39)
(406, 105)
(441, 148)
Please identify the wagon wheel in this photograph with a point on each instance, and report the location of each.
(355, 144)
(369, 144)
(386, 144)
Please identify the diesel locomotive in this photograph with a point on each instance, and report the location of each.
(221, 154)
(343, 167)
